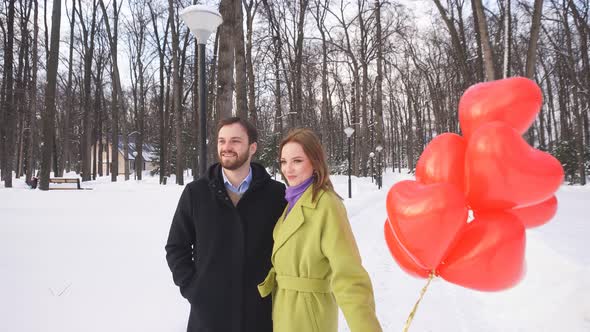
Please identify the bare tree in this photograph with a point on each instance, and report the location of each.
(21, 85)
(240, 62)
(277, 46)
(532, 50)
(88, 35)
(49, 114)
(482, 26)
(140, 58)
(507, 38)
(9, 116)
(163, 120)
(67, 123)
(379, 80)
(319, 12)
(176, 85)
(458, 46)
(117, 92)
(33, 96)
(251, 8)
(225, 60)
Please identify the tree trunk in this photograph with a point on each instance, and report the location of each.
(21, 86)
(163, 119)
(507, 38)
(33, 96)
(320, 17)
(212, 114)
(379, 79)
(240, 62)
(67, 126)
(9, 121)
(176, 95)
(355, 122)
(488, 57)
(226, 60)
(364, 126)
(141, 119)
(86, 141)
(49, 115)
(278, 130)
(97, 137)
(532, 49)
(250, 13)
(117, 92)
(298, 85)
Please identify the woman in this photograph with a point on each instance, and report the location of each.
(316, 263)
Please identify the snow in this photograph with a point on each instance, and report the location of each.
(94, 260)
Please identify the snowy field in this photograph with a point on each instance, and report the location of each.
(94, 260)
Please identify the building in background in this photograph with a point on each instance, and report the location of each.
(149, 156)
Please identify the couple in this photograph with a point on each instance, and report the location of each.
(220, 247)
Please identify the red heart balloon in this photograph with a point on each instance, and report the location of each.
(502, 171)
(443, 160)
(426, 219)
(488, 254)
(514, 101)
(538, 214)
(401, 256)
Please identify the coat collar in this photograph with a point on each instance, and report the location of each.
(215, 178)
(287, 226)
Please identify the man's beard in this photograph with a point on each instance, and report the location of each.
(233, 164)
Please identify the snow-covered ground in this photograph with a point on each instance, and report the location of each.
(93, 260)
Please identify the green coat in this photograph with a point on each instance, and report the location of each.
(316, 269)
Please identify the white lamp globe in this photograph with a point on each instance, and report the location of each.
(202, 21)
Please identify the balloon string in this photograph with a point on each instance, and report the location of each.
(411, 316)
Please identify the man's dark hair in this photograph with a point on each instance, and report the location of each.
(250, 129)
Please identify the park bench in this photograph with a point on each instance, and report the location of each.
(65, 180)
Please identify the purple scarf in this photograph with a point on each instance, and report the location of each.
(292, 194)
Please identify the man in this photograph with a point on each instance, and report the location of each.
(220, 239)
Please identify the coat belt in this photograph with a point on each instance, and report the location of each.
(299, 284)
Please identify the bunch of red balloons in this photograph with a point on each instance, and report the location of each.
(490, 171)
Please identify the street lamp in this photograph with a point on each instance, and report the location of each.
(202, 21)
(379, 148)
(371, 157)
(349, 131)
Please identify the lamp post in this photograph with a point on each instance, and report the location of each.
(202, 21)
(349, 131)
(379, 148)
(371, 157)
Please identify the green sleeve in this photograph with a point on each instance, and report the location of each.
(350, 282)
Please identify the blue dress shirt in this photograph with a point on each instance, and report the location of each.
(241, 189)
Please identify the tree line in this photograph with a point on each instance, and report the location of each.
(389, 71)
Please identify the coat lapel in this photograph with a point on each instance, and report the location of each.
(287, 226)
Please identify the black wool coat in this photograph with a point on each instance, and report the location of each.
(218, 252)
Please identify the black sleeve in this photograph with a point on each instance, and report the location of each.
(181, 239)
